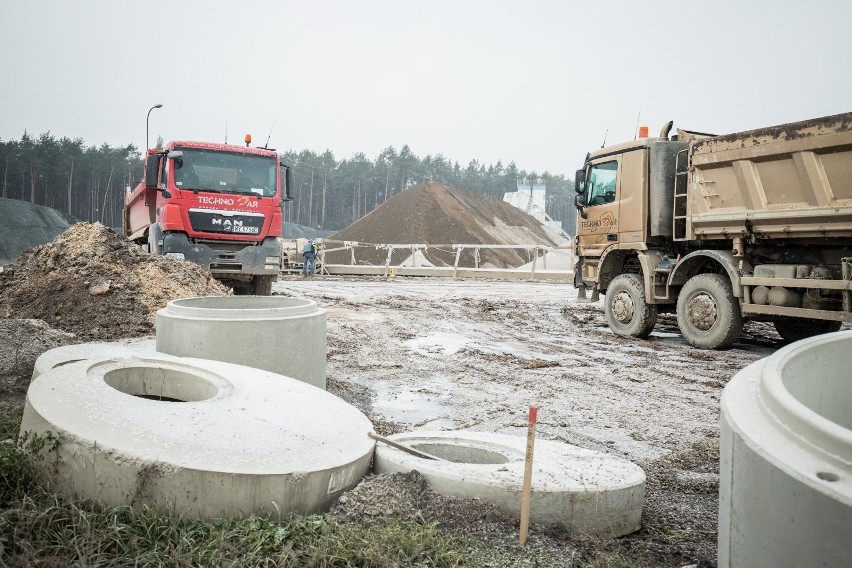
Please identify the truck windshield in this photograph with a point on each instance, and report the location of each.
(226, 172)
(601, 183)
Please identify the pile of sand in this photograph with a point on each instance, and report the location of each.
(441, 215)
(93, 283)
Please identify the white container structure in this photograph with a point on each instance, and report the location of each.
(785, 484)
(283, 335)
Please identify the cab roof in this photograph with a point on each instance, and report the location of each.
(623, 147)
(220, 147)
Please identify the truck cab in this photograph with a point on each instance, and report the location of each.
(217, 205)
(624, 201)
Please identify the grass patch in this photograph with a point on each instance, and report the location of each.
(39, 528)
(47, 531)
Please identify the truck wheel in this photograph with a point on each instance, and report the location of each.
(155, 235)
(708, 314)
(627, 312)
(263, 285)
(794, 329)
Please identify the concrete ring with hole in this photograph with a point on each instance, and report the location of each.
(277, 333)
(198, 438)
(785, 457)
(585, 491)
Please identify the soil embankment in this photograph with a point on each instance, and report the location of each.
(441, 215)
(24, 225)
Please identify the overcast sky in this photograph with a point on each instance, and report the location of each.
(537, 82)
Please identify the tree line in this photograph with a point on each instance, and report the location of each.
(88, 182)
(331, 194)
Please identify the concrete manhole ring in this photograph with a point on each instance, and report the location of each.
(276, 333)
(585, 491)
(199, 438)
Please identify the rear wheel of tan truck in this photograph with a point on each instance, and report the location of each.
(794, 329)
(708, 314)
(627, 312)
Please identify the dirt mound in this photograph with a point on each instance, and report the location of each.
(93, 283)
(21, 342)
(441, 215)
(24, 225)
(407, 496)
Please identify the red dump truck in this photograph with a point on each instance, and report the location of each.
(217, 205)
(721, 229)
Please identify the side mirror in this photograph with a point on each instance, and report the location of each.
(288, 183)
(152, 170)
(580, 204)
(175, 155)
(580, 181)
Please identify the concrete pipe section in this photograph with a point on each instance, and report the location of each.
(282, 335)
(785, 485)
(586, 491)
(68, 354)
(198, 438)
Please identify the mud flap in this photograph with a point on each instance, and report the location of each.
(581, 286)
(583, 299)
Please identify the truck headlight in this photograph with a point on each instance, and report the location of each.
(272, 260)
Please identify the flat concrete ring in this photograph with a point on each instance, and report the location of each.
(196, 437)
(586, 491)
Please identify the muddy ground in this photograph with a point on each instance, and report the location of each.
(438, 354)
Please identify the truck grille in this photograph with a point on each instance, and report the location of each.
(231, 222)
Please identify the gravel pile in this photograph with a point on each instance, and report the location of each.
(25, 225)
(441, 215)
(93, 283)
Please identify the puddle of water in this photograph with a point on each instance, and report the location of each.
(426, 403)
(446, 342)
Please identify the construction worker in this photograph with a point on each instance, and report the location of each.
(309, 256)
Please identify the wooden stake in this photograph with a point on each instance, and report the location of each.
(527, 487)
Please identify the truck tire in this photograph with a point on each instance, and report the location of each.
(708, 314)
(794, 329)
(155, 235)
(627, 312)
(263, 285)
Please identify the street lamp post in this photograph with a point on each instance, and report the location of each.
(146, 124)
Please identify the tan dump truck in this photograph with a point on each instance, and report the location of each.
(754, 225)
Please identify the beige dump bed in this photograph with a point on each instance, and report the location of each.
(787, 181)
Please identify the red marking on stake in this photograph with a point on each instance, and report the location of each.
(533, 414)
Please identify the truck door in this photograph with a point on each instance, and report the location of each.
(600, 227)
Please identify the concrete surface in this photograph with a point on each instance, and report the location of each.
(68, 354)
(785, 484)
(244, 441)
(274, 333)
(586, 491)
